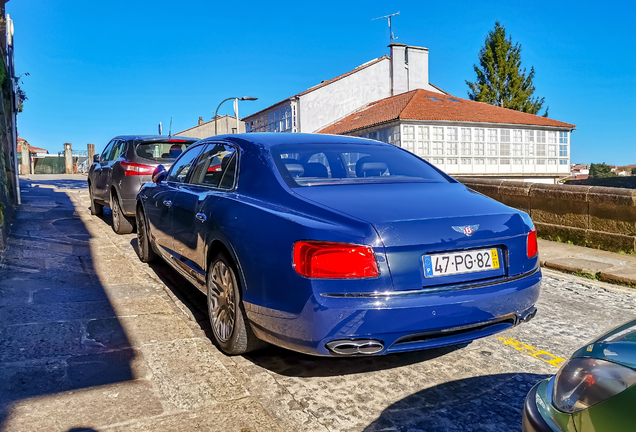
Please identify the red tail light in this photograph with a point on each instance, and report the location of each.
(532, 248)
(334, 260)
(136, 169)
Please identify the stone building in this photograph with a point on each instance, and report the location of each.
(224, 125)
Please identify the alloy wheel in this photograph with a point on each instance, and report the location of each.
(222, 301)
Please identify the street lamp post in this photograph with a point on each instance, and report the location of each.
(236, 102)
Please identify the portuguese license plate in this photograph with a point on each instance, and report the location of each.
(461, 262)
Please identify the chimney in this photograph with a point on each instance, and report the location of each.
(399, 83)
(409, 68)
(200, 121)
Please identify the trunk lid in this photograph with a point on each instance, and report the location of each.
(417, 219)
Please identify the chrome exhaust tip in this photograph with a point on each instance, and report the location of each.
(355, 346)
(527, 315)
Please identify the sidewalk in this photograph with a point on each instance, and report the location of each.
(88, 341)
(601, 265)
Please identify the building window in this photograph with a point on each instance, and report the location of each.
(409, 145)
(551, 150)
(529, 161)
(466, 161)
(552, 161)
(373, 135)
(540, 161)
(479, 161)
(451, 134)
(423, 148)
(541, 137)
(466, 134)
(451, 161)
(505, 135)
(504, 149)
(517, 161)
(530, 136)
(480, 135)
(540, 149)
(466, 149)
(438, 161)
(492, 161)
(438, 133)
(517, 150)
(409, 132)
(492, 135)
(563, 161)
(422, 133)
(563, 150)
(551, 137)
(563, 137)
(438, 148)
(529, 149)
(504, 161)
(517, 136)
(451, 149)
(492, 149)
(479, 149)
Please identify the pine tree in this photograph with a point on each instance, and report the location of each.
(500, 80)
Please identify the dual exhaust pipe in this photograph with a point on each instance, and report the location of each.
(352, 347)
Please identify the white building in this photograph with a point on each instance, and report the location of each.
(225, 124)
(390, 99)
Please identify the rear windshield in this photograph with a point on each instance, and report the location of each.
(330, 164)
(161, 151)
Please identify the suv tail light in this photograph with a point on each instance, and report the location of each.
(136, 169)
(334, 260)
(532, 248)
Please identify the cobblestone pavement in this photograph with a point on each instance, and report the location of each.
(134, 351)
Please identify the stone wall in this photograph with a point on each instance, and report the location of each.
(594, 216)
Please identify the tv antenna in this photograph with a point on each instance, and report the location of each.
(391, 35)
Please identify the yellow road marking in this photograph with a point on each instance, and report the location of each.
(532, 351)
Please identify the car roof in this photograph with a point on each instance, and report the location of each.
(154, 138)
(269, 139)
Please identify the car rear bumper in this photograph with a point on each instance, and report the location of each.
(400, 322)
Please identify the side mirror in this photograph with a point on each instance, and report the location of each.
(96, 158)
(159, 175)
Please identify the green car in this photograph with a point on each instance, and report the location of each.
(593, 391)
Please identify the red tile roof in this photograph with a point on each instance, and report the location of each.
(32, 149)
(418, 105)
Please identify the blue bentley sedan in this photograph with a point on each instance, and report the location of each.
(337, 246)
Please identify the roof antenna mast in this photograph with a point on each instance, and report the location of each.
(391, 35)
(170, 130)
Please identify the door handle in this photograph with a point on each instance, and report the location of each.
(201, 217)
(167, 203)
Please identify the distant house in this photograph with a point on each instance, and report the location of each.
(36, 151)
(390, 99)
(224, 125)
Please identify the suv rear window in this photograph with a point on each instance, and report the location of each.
(161, 150)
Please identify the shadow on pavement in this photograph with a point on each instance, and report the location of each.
(58, 328)
(484, 403)
(280, 360)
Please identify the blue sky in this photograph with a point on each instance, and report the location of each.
(100, 69)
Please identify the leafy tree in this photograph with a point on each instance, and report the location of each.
(500, 79)
(633, 171)
(601, 170)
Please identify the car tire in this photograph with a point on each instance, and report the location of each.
(230, 326)
(121, 223)
(145, 251)
(96, 209)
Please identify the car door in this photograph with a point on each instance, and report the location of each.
(99, 182)
(194, 203)
(107, 169)
(159, 206)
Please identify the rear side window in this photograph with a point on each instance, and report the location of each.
(215, 167)
(305, 165)
(180, 169)
(159, 151)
